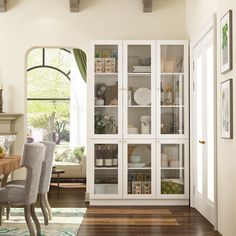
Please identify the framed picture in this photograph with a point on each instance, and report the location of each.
(226, 42)
(226, 109)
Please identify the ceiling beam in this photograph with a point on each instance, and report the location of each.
(74, 5)
(147, 5)
(3, 5)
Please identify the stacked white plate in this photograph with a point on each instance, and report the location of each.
(136, 165)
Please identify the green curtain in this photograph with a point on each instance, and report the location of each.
(81, 60)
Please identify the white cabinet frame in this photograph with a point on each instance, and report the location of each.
(186, 169)
(91, 83)
(126, 44)
(155, 139)
(125, 170)
(93, 169)
(186, 89)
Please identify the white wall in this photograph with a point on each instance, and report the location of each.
(30, 23)
(198, 13)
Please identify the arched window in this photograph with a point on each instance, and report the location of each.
(48, 95)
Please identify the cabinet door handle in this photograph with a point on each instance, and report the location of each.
(202, 141)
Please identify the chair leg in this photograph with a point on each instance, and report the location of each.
(29, 221)
(35, 219)
(1, 209)
(8, 212)
(43, 208)
(48, 206)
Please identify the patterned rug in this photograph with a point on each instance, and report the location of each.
(66, 222)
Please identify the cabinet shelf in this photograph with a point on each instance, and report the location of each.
(106, 168)
(172, 168)
(133, 74)
(105, 106)
(106, 74)
(139, 168)
(171, 106)
(172, 74)
(139, 106)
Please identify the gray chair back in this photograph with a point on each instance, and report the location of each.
(46, 172)
(32, 158)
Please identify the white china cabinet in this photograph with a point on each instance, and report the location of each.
(138, 123)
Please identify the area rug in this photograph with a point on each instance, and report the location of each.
(66, 222)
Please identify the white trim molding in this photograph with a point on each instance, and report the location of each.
(211, 24)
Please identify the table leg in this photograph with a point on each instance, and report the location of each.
(4, 180)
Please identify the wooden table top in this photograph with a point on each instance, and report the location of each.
(9, 164)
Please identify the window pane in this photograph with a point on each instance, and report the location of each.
(49, 120)
(47, 83)
(210, 125)
(58, 58)
(199, 123)
(35, 58)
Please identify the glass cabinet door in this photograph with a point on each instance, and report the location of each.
(172, 90)
(139, 89)
(173, 166)
(107, 86)
(106, 169)
(139, 162)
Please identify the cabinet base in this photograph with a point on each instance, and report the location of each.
(138, 202)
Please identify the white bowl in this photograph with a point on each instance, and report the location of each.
(135, 159)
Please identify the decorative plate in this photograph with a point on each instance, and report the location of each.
(142, 96)
(144, 151)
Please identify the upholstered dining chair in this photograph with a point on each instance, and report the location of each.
(26, 195)
(44, 183)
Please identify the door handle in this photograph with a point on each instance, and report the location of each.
(202, 141)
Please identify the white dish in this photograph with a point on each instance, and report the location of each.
(135, 159)
(142, 96)
(136, 165)
(143, 151)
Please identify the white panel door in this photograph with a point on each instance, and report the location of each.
(204, 132)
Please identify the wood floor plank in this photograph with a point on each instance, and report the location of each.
(145, 221)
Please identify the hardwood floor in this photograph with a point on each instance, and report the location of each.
(66, 197)
(132, 221)
(144, 221)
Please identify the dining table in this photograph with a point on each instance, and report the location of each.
(8, 164)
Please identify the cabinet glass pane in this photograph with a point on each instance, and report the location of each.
(172, 58)
(106, 89)
(106, 169)
(139, 89)
(172, 168)
(172, 89)
(139, 169)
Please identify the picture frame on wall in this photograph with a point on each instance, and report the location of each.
(226, 42)
(226, 109)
